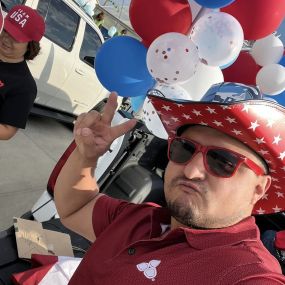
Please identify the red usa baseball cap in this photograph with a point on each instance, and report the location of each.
(24, 24)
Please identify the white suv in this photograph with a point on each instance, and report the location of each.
(64, 69)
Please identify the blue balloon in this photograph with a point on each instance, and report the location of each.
(270, 98)
(282, 61)
(280, 98)
(120, 66)
(214, 3)
(137, 102)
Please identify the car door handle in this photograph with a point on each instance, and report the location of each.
(80, 71)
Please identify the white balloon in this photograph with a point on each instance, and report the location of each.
(218, 37)
(173, 91)
(271, 79)
(81, 2)
(89, 9)
(203, 79)
(112, 31)
(172, 58)
(152, 120)
(267, 50)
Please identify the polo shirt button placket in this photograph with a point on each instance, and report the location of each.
(131, 251)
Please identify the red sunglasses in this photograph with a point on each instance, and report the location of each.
(218, 161)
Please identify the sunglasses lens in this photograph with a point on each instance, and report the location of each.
(222, 162)
(181, 151)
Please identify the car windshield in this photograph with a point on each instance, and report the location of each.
(8, 4)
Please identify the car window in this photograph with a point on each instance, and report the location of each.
(90, 45)
(61, 22)
(8, 4)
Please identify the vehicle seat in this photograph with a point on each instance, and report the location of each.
(56, 170)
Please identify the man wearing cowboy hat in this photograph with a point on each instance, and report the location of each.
(226, 161)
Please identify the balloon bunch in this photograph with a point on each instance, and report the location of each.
(186, 46)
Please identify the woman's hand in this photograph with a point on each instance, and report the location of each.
(93, 131)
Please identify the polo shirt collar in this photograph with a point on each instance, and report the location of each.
(245, 230)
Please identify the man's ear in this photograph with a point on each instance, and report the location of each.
(261, 187)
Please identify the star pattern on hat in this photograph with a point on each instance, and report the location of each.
(175, 119)
(186, 116)
(265, 196)
(211, 110)
(270, 123)
(280, 194)
(282, 155)
(167, 108)
(236, 132)
(262, 152)
(260, 140)
(260, 211)
(277, 139)
(217, 123)
(277, 209)
(245, 108)
(254, 125)
(247, 123)
(197, 113)
(231, 120)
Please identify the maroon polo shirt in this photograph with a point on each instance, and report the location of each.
(131, 249)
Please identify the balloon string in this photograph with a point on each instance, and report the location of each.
(199, 15)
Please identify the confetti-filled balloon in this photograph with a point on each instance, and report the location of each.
(219, 38)
(152, 120)
(172, 58)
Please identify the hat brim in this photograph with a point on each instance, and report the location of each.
(260, 124)
(15, 33)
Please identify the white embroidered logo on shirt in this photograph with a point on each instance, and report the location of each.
(149, 269)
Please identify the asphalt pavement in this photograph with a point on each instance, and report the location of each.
(26, 162)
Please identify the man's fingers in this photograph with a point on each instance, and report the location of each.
(87, 120)
(123, 128)
(110, 108)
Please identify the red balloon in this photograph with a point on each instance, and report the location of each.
(243, 70)
(152, 18)
(258, 18)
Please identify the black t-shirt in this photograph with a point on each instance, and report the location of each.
(18, 92)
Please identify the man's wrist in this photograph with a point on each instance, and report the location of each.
(84, 161)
